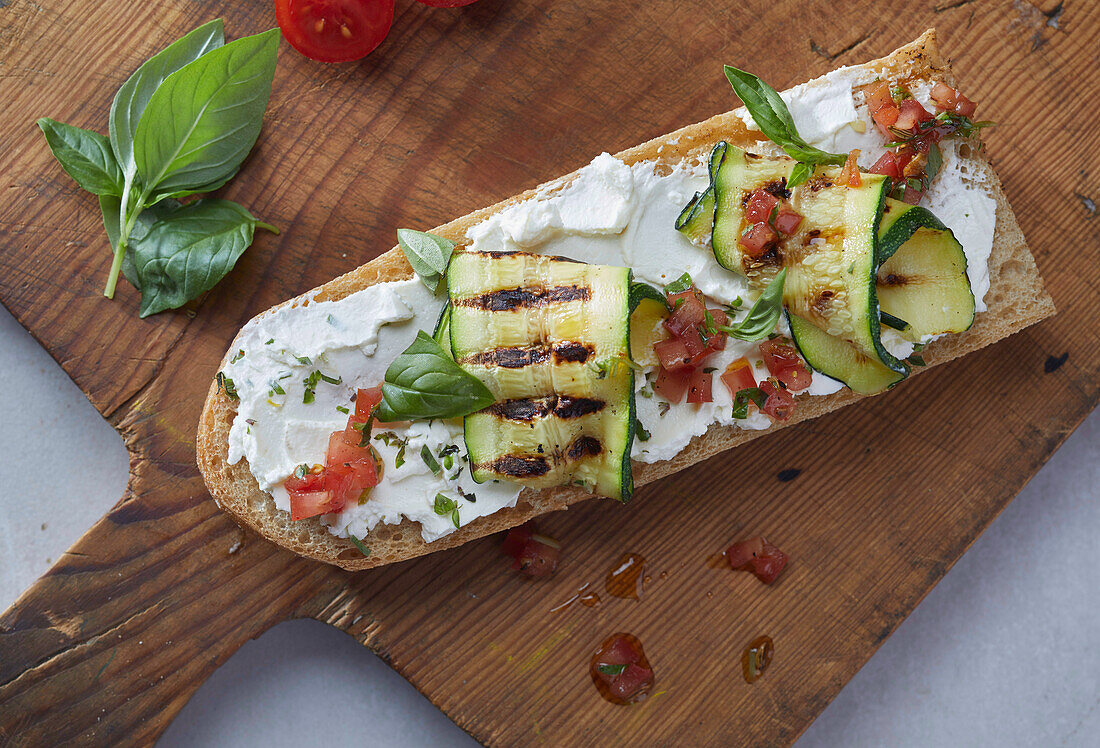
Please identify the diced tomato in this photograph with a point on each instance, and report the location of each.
(965, 106)
(911, 196)
(688, 311)
(306, 504)
(849, 175)
(877, 95)
(517, 537)
(309, 482)
(700, 387)
(673, 354)
(911, 115)
(620, 669)
(631, 681)
(366, 400)
(887, 165)
(671, 385)
(738, 376)
(786, 365)
(532, 554)
(780, 403)
(944, 96)
(787, 221)
(758, 556)
(760, 206)
(757, 239)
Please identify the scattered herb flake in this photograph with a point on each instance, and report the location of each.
(429, 460)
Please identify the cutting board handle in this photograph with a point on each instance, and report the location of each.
(115, 638)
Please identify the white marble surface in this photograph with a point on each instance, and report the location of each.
(1005, 651)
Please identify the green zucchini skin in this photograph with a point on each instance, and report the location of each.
(697, 218)
(550, 339)
(841, 359)
(921, 275)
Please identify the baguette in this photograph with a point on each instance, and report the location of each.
(1015, 300)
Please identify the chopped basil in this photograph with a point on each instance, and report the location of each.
(269, 341)
(310, 384)
(301, 471)
(237, 356)
(276, 387)
(742, 399)
(640, 432)
(611, 669)
(662, 408)
(226, 384)
(445, 505)
(916, 360)
(342, 409)
(304, 360)
(430, 461)
(448, 461)
(681, 284)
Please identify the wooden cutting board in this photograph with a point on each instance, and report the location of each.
(456, 110)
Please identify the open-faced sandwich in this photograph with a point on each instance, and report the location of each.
(623, 322)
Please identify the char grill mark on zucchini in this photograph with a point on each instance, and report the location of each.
(562, 406)
(517, 358)
(549, 338)
(508, 299)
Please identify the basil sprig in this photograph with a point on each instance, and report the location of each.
(181, 124)
(772, 117)
(428, 254)
(764, 314)
(424, 382)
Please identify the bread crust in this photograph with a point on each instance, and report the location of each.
(1015, 300)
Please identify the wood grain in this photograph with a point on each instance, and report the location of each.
(456, 110)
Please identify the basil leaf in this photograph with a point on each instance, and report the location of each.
(444, 504)
(132, 98)
(748, 395)
(611, 669)
(933, 165)
(428, 254)
(799, 174)
(640, 431)
(773, 118)
(85, 156)
(681, 284)
(429, 460)
(764, 314)
(639, 291)
(188, 251)
(202, 121)
(423, 382)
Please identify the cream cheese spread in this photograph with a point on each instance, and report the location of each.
(609, 213)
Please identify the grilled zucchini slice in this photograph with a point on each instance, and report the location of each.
(550, 338)
(697, 218)
(831, 260)
(921, 275)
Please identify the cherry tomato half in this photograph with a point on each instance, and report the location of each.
(334, 30)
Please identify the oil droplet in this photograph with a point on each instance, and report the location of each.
(583, 595)
(626, 580)
(717, 560)
(663, 575)
(756, 657)
(647, 579)
(710, 595)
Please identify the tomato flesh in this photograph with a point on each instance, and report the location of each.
(786, 365)
(780, 403)
(532, 554)
(757, 239)
(758, 556)
(738, 376)
(620, 669)
(700, 387)
(671, 385)
(334, 30)
(760, 206)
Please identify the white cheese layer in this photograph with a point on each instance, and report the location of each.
(610, 213)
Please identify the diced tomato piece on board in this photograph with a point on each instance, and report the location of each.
(758, 556)
(532, 554)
